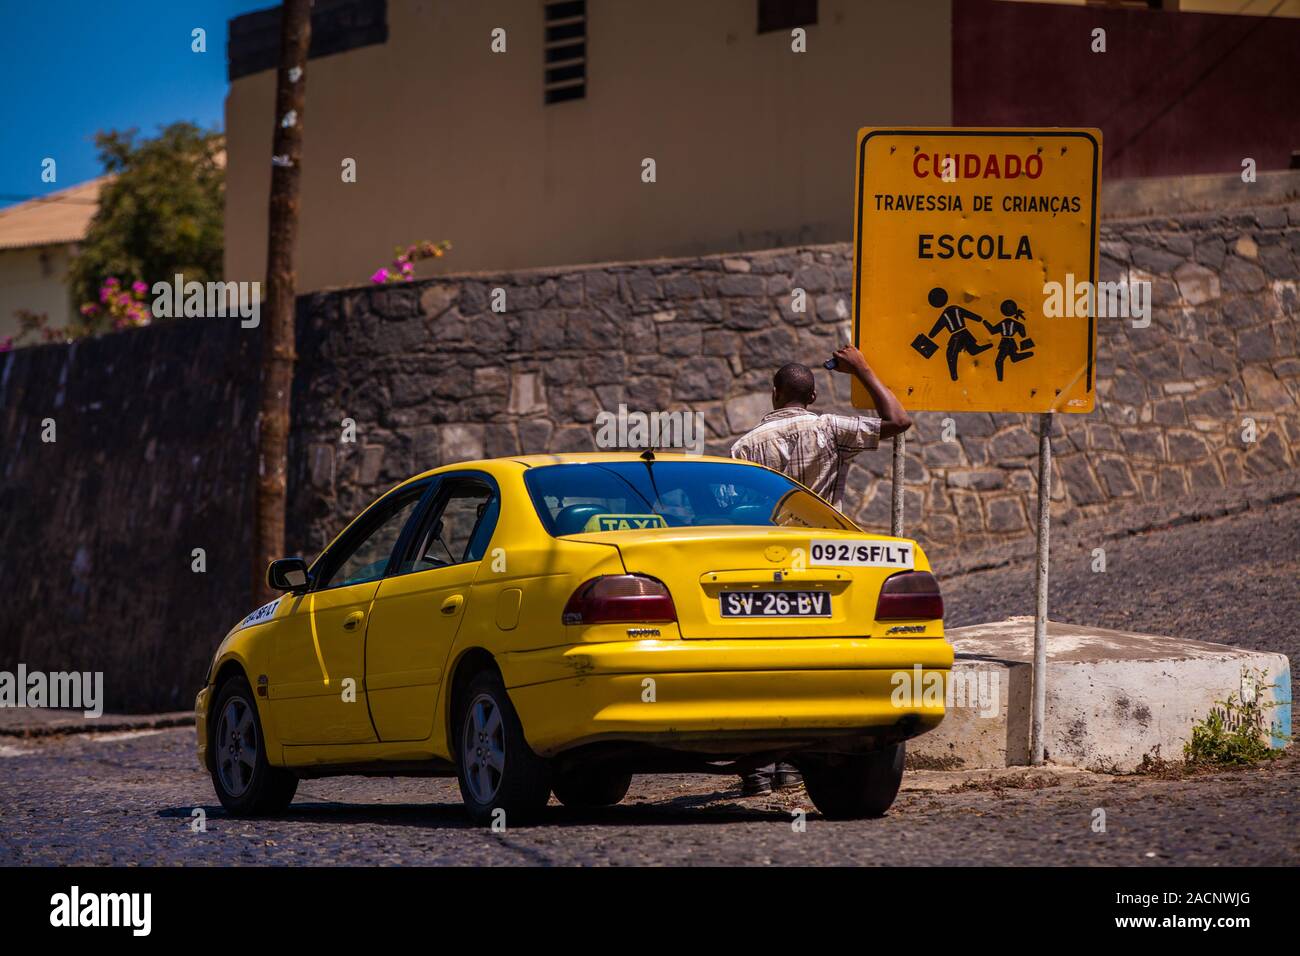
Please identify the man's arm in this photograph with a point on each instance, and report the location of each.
(894, 419)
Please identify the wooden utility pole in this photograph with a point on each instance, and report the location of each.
(278, 315)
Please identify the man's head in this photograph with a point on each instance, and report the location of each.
(793, 384)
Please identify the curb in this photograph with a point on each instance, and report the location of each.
(100, 725)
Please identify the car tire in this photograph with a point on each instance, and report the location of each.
(246, 783)
(853, 786)
(586, 787)
(496, 768)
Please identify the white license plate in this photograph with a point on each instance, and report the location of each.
(776, 603)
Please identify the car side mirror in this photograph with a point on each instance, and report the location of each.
(288, 574)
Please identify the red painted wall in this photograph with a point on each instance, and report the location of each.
(1174, 93)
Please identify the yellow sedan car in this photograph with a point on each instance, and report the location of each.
(558, 623)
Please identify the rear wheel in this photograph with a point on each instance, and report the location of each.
(851, 786)
(585, 787)
(246, 784)
(497, 769)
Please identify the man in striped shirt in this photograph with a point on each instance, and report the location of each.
(815, 450)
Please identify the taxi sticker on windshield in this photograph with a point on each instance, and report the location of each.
(624, 522)
(862, 554)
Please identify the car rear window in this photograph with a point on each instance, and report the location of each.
(620, 495)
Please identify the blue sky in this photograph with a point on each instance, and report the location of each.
(69, 68)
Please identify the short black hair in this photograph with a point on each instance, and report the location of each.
(795, 382)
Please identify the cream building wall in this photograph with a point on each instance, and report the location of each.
(753, 143)
(35, 278)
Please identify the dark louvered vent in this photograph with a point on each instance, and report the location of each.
(786, 14)
(566, 51)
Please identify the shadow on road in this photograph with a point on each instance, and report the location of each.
(680, 811)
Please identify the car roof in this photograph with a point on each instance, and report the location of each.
(577, 457)
(572, 458)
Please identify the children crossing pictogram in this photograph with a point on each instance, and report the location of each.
(1014, 343)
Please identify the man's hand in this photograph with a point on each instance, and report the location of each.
(849, 360)
(894, 419)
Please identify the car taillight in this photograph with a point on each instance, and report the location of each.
(909, 595)
(620, 599)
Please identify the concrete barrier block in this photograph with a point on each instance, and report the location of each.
(1113, 697)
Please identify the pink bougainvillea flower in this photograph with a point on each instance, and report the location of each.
(139, 288)
(404, 259)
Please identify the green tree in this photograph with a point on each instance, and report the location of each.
(160, 215)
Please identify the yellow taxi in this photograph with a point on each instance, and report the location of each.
(557, 623)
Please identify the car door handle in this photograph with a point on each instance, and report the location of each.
(453, 603)
(351, 622)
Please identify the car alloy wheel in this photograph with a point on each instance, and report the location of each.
(247, 783)
(484, 748)
(236, 744)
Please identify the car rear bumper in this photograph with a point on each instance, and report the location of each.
(728, 697)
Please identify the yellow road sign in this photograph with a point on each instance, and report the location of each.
(959, 235)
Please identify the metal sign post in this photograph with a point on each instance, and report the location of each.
(1037, 750)
(900, 465)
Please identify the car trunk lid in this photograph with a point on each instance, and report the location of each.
(777, 582)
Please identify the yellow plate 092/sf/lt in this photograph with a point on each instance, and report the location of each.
(875, 553)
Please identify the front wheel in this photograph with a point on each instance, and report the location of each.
(852, 786)
(497, 769)
(246, 783)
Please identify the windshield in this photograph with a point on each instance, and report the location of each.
(624, 495)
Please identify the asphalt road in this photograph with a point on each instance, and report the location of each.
(128, 798)
(112, 800)
(1233, 580)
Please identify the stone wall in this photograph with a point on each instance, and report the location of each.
(155, 427)
(436, 375)
(150, 460)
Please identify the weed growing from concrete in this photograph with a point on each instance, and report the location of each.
(1234, 733)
